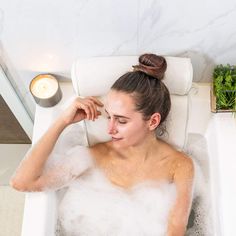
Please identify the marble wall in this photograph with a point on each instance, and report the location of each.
(46, 36)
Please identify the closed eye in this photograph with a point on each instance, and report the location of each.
(122, 122)
(120, 119)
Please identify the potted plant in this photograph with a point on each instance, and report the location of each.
(224, 89)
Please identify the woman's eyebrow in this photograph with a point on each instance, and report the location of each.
(118, 116)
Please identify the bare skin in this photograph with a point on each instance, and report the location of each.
(134, 155)
(126, 173)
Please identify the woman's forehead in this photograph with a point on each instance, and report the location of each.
(116, 101)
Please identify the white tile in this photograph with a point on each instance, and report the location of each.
(11, 211)
(10, 157)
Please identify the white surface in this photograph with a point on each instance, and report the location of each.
(39, 214)
(11, 213)
(178, 76)
(10, 157)
(225, 127)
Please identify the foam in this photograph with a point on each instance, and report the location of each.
(94, 206)
(200, 221)
(63, 167)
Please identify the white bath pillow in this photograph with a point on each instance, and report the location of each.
(95, 75)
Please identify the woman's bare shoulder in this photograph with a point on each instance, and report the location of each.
(100, 150)
(183, 165)
(180, 158)
(180, 162)
(177, 156)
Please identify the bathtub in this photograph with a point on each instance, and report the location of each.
(219, 132)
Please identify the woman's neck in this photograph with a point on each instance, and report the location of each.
(141, 152)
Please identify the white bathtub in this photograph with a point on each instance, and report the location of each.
(219, 131)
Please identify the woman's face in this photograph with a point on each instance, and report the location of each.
(126, 125)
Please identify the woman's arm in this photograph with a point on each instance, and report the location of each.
(28, 176)
(183, 179)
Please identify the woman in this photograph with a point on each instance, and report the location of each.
(137, 105)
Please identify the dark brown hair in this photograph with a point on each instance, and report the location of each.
(145, 85)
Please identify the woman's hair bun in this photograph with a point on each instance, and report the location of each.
(152, 65)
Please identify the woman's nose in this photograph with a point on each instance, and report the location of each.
(112, 127)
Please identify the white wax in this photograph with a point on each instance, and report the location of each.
(44, 87)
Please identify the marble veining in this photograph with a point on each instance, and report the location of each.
(44, 36)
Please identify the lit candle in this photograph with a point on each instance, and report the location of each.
(45, 90)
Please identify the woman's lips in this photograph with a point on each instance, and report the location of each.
(116, 139)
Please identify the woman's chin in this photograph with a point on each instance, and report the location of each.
(119, 142)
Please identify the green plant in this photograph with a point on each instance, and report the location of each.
(224, 87)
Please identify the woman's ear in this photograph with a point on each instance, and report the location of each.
(154, 121)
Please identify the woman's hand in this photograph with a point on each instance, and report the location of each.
(80, 109)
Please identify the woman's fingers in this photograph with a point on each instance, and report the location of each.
(94, 107)
(94, 110)
(96, 101)
(86, 109)
(89, 105)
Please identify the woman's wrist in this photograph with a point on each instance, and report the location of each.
(60, 123)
